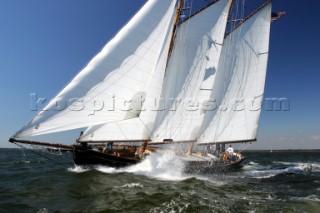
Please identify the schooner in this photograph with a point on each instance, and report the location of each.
(166, 78)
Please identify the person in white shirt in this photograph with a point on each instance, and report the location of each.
(230, 151)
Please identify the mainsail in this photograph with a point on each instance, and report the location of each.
(191, 69)
(239, 85)
(115, 81)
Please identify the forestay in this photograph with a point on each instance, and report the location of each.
(240, 81)
(191, 72)
(115, 82)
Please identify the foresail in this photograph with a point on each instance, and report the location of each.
(139, 128)
(191, 73)
(241, 75)
(115, 82)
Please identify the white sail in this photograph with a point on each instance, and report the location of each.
(137, 128)
(114, 83)
(191, 72)
(240, 83)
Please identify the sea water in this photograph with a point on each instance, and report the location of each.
(267, 182)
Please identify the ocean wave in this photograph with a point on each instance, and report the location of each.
(79, 169)
(312, 198)
(106, 169)
(23, 162)
(263, 172)
(304, 166)
(28, 161)
(309, 167)
(176, 204)
(252, 166)
(43, 210)
(131, 185)
(256, 170)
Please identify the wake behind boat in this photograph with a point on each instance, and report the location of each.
(169, 76)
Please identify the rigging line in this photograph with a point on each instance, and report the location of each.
(121, 130)
(41, 155)
(246, 145)
(249, 16)
(199, 11)
(23, 153)
(150, 131)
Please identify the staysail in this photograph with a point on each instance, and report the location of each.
(238, 91)
(115, 81)
(191, 73)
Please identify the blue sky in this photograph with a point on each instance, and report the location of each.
(44, 43)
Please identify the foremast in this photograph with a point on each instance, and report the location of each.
(175, 25)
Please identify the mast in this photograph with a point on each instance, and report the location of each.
(175, 24)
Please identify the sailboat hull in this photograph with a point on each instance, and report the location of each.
(85, 156)
(212, 167)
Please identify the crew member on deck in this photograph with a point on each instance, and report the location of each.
(143, 149)
(217, 150)
(223, 147)
(190, 149)
(230, 151)
(109, 145)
